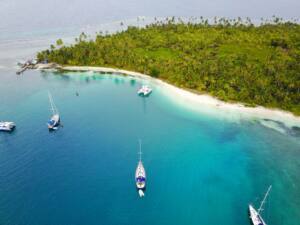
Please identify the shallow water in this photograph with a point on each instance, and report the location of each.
(201, 169)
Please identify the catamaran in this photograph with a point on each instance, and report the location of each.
(54, 121)
(145, 90)
(255, 216)
(7, 126)
(140, 176)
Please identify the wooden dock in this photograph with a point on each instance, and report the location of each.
(29, 64)
(23, 69)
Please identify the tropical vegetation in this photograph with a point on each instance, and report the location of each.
(233, 60)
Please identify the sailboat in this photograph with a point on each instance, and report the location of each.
(140, 176)
(54, 121)
(255, 215)
(145, 90)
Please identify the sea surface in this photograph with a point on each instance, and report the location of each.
(201, 168)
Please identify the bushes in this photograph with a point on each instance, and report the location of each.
(154, 72)
(278, 42)
(233, 62)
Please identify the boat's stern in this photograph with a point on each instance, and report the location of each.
(141, 183)
(54, 122)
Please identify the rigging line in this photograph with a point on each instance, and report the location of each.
(140, 152)
(264, 200)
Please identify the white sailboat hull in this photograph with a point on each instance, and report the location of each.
(140, 176)
(54, 122)
(255, 217)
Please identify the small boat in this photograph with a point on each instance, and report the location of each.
(145, 90)
(54, 121)
(255, 216)
(7, 126)
(140, 176)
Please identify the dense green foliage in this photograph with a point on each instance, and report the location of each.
(258, 65)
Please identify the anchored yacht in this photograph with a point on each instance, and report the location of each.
(140, 176)
(145, 90)
(7, 126)
(255, 215)
(54, 121)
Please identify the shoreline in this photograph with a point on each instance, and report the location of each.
(197, 101)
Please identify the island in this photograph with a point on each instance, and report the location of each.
(232, 60)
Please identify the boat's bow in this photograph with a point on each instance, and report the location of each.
(255, 218)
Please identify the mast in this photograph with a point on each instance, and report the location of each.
(140, 152)
(140, 173)
(53, 107)
(264, 200)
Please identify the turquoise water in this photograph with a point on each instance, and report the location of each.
(201, 169)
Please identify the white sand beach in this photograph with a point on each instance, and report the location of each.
(201, 102)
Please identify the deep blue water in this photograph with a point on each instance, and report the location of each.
(201, 169)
